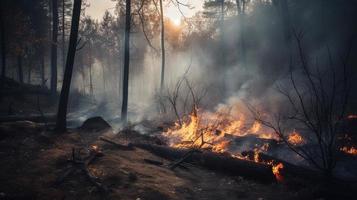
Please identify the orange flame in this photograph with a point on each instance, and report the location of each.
(353, 116)
(277, 171)
(349, 150)
(295, 138)
(211, 131)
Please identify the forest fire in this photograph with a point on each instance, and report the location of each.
(353, 116)
(349, 150)
(276, 171)
(295, 138)
(211, 130)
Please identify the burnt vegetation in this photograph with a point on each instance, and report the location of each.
(178, 99)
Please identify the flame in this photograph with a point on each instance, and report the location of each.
(212, 131)
(349, 150)
(277, 171)
(352, 116)
(207, 129)
(295, 138)
(94, 147)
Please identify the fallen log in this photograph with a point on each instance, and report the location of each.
(184, 158)
(119, 146)
(215, 161)
(33, 118)
(289, 169)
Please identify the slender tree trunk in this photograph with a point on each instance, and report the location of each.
(29, 74)
(103, 75)
(54, 47)
(162, 83)
(3, 46)
(43, 81)
(61, 124)
(124, 108)
(20, 71)
(284, 13)
(63, 35)
(241, 7)
(222, 47)
(91, 91)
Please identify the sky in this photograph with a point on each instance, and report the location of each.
(98, 7)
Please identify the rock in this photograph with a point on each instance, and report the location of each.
(95, 124)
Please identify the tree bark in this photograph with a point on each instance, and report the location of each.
(20, 70)
(63, 102)
(91, 90)
(241, 8)
(54, 47)
(63, 35)
(43, 81)
(283, 10)
(3, 46)
(162, 48)
(215, 161)
(124, 109)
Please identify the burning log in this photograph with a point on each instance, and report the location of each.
(215, 161)
(288, 169)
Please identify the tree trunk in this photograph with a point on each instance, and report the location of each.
(222, 46)
(103, 75)
(215, 161)
(63, 35)
(124, 109)
(91, 90)
(283, 10)
(3, 46)
(20, 71)
(63, 102)
(43, 81)
(241, 7)
(162, 48)
(54, 47)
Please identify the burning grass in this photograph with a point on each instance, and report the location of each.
(295, 138)
(206, 130)
(349, 150)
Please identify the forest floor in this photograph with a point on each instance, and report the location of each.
(37, 163)
(33, 161)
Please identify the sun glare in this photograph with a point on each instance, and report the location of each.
(176, 21)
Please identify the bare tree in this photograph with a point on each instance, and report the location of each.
(317, 101)
(63, 103)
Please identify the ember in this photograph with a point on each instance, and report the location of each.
(352, 116)
(349, 150)
(277, 171)
(295, 138)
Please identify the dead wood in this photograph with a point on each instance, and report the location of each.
(289, 169)
(33, 118)
(153, 162)
(79, 163)
(215, 161)
(119, 146)
(183, 159)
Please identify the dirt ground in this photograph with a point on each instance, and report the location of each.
(33, 159)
